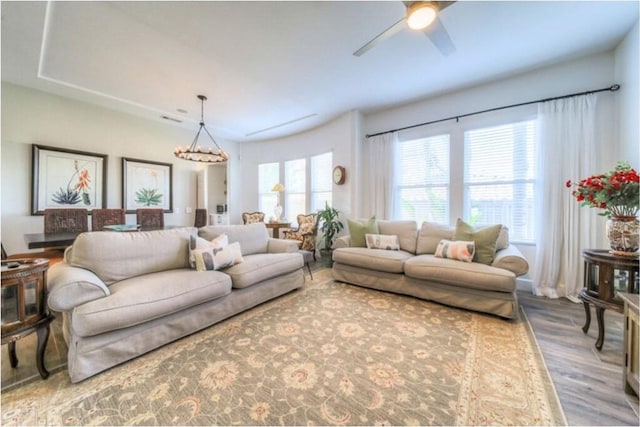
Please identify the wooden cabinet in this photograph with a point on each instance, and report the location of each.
(631, 373)
(24, 306)
(605, 276)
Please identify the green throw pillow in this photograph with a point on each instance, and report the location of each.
(485, 239)
(357, 230)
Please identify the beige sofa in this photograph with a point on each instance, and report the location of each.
(414, 270)
(124, 294)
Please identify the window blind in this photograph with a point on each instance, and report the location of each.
(499, 177)
(422, 179)
(268, 176)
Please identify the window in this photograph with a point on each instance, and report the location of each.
(305, 188)
(422, 180)
(321, 184)
(268, 176)
(499, 177)
(295, 186)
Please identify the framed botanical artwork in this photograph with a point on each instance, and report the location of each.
(64, 178)
(146, 184)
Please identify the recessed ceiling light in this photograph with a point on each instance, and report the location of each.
(182, 111)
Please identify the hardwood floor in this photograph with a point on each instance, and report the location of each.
(588, 382)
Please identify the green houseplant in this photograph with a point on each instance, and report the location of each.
(330, 225)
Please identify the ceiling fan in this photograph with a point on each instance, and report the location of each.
(421, 15)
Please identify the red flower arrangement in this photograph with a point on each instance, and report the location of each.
(617, 192)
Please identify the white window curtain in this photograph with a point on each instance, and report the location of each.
(566, 150)
(379, 198)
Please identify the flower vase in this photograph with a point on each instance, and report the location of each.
(623, 235)
(278, 212)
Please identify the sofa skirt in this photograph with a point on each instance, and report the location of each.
(503, 304)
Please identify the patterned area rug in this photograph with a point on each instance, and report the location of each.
(328, 354)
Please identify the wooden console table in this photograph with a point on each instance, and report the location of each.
(24, 306)
(604, 276)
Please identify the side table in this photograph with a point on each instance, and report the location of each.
(605, 275)
(276, 226)
(24, 306)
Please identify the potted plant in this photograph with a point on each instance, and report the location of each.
(330, 225)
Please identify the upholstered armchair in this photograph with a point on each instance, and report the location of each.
(252, 217)
(306, 233)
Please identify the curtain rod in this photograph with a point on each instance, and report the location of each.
(611, 88)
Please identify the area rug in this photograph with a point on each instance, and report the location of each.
(328, 354)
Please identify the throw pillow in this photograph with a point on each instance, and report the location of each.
(382, 241)
(217, 258)
(200, 243)
(485, 239)
(461, 251)
(358, 229)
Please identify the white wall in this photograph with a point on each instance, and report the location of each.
(34, 117)
(339, 136)
(627, 74)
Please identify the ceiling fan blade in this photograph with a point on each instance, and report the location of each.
(392, 30)
(442, 5)
(439, 36)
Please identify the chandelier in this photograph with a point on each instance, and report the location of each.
(195, 152)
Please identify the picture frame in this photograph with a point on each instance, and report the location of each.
(64, 178)
(146, 184)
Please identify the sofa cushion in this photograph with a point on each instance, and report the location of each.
(382, 241)
(485, 238)
(430, 235)
(406, 230)
(115, 256)
(253, 238)
(358, 229)
(373, 259)
(143, 298)
(259, 267)
(458, 250)
(468, 275)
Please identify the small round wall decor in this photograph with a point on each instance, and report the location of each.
(339, 175)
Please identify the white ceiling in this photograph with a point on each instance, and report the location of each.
(276, 68)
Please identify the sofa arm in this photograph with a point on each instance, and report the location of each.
(342, 242)
(511, 259)
(281, 245)
(69, 287)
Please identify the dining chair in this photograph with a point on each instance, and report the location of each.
(201, 218)
(150, 218)
(252, 217)
(61, 220)
(102, 217)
